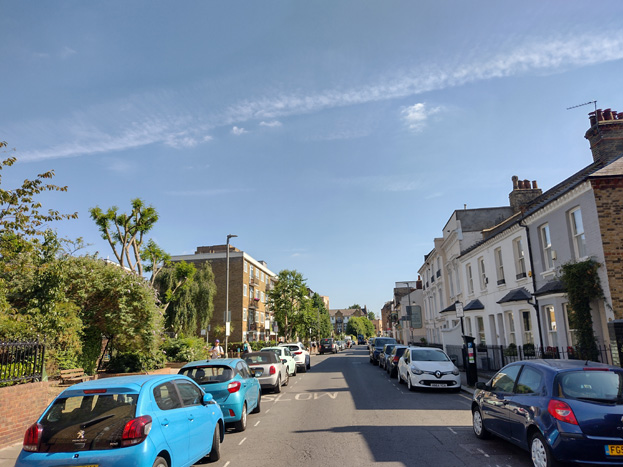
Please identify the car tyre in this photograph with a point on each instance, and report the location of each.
(258, 408)
(400, 381)
(410, 385)
(278, 387)
(540, 452)
(241, 424)
(477, 424)
(160, 462)
(308, 366)
(215, 453)
(285, 383)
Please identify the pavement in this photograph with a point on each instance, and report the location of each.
(8, 455)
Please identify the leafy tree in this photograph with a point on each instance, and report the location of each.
(371, 315)
(125, 232)
(360, 325)
(320, 321)
(20, 213)
(355, 307)
(189, 293)
(287, 299)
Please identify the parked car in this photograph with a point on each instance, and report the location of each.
(300, 354)
(377, 347)
(327, 345)
(283, 353)
(391, 362)
(428, 367)
(232, 385)
(361, 340)
(129, 420)
(558, 410)
(387, 349)
(268, 369)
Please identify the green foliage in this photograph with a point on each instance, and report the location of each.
(125, 232)
(135, 362)
(371, 315)
(184, 349)
(287, 299)
(360, 325)
(20, 213)
(582, 286)
(355, 307)
(511, 350)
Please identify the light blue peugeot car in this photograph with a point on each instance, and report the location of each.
(158, 420)
(232, 385)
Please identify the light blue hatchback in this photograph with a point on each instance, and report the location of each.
(159, 421)
(231, 383)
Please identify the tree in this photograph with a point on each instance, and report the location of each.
(125, 232)
(287, 299)
(190, 296)
(355, 307)
(20, 213)
(371, 315)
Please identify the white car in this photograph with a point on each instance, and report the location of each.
(300, 354)
(284, 354)
(428, 367)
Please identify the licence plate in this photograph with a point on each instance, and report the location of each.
(437, 385)
(614, 449)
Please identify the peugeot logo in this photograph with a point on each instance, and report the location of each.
(80, 434)
(438, 374)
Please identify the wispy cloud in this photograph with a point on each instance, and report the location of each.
(97, 131)
(238, 131)
(67, 52)
(271, 124)
(415, 116)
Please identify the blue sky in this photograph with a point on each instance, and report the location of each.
(333, 137)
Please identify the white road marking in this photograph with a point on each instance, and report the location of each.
(258, 422)
(226, 463)
(267, 411)
(483, 453)
(452, 430)
(244, 439)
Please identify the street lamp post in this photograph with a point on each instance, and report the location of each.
(227, 324)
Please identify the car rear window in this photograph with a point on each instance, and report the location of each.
(261, 358)
(381, 342)
(208, 374)
(592, 385)
(326, 341)
(84, 423)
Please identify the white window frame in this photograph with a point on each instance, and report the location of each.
(520, 258)
(510, 319)
(528, 333)
(244, 290)
(244, 314)
(482, 273)
(552, 326)
(245, 266)
(470, 278)
(546, 247)
(577, 233)
(480, 324)
(499, 265)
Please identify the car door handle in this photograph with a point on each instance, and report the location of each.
(165, 422)
(191, 417)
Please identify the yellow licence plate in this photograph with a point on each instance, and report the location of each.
(614, 449)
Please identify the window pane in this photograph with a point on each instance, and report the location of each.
(505, 379)
(529, 382)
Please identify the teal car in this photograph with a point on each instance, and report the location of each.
(142, 421)
(232, 385)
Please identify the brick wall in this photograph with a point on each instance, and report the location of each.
(609, 201)
(21, 406)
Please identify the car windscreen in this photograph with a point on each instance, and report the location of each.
(428, 355)
(379, 343)
(89, 422)
(591, 385)
(388, 348)
(208, 374)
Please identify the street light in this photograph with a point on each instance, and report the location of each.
(227, 297)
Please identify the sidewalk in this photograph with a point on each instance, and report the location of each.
(483, 376)
(8, 456)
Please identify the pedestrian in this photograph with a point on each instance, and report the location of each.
(217, 350)
(245, 347)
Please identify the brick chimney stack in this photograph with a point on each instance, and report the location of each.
(523, 192)
(605, 134)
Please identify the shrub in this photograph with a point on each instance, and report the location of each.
(184, 349)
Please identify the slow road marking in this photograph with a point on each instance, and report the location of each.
(302, 396)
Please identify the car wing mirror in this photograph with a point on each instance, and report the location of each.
(481, 385)
(207, 399)
(284, 361)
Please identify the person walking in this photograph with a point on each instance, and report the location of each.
(217, 350)
(245, 347)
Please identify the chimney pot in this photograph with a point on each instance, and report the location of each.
(515, 178)
(608, 114)
(600, 117)
(534, 185)
(526, 184)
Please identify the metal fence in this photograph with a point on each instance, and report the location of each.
(494, 357)
(21, 361)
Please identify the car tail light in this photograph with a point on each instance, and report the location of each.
(298, 353)
(396, 358)
(234, 386)
(561, 411)
(32, 438)
(136, 430)
(273, 370)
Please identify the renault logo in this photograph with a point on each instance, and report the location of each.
(438, 374)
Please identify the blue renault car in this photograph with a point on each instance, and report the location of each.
(157, 420)
(559, 410)
(232, 385)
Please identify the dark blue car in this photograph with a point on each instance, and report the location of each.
(558, 410)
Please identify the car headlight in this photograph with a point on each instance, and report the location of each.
(455, 372)
(416, 371)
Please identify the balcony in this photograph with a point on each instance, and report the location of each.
(254, 303)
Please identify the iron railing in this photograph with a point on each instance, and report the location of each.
(21, 361)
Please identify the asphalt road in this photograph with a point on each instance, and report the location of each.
(347, 412)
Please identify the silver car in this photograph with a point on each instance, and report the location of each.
(270, 371)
